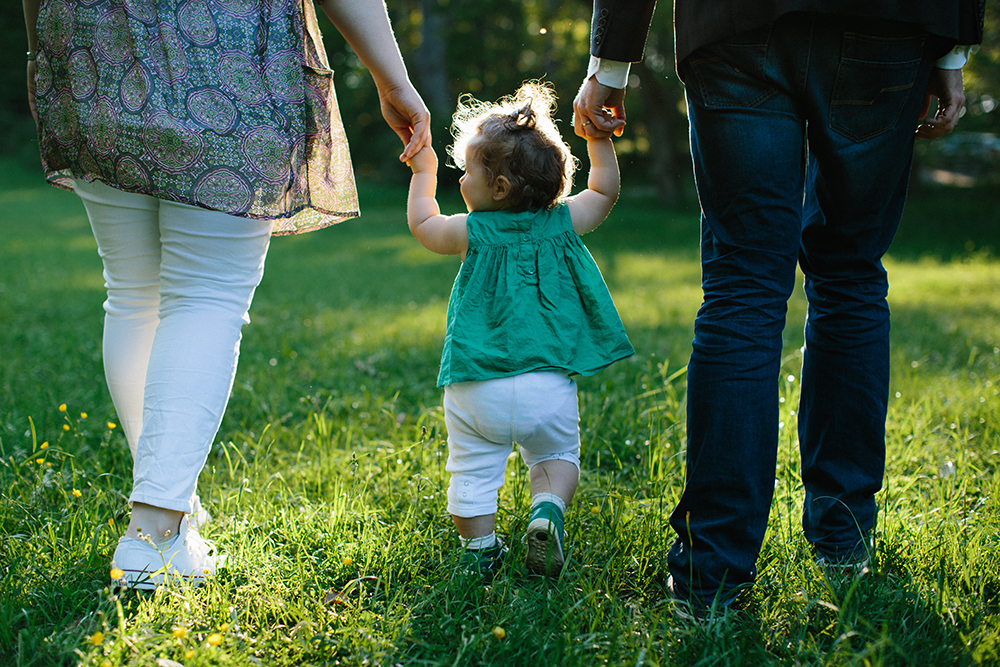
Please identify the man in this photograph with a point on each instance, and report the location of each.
(802, 128)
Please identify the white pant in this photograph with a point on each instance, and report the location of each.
(538, 411)
(180, 281)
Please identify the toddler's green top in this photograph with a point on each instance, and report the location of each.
(529, 297)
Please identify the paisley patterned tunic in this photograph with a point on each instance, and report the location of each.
(224, 104)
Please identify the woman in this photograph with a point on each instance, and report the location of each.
(193, 131)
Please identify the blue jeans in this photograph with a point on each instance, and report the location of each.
(802, 138)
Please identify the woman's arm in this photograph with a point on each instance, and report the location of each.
(589, 208)
(365, 26)
(30, 22)
(443, 234)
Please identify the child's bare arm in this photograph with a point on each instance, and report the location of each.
(589, 208)
(443, 234)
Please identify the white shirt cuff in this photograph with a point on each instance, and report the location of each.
(954, 59)
(611, 73)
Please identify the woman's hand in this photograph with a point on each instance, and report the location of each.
(365, 26)
(32, 104)
(406, 114)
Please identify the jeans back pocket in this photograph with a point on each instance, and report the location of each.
(875, 79)
(731, 73)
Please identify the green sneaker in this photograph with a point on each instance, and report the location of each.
(544, 539)
(483, 563)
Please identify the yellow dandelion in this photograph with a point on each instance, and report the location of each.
(65, 427)
(48, 463)
(44, 445)
(76, 493)
(62, 408)
(214, 639)
(112, 425)
(116, 573)
(83, 415)
(223, 627)
(594, 509)
(106, 663)
(189, 654)
(499, 632)
(111, 522)
(347, 561)
(180, 633)
(96, 639)
(39, 461)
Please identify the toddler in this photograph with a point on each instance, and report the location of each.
(528, 310)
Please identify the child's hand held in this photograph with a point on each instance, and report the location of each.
(425, 161)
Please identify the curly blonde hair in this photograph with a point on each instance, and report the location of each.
(517, 138)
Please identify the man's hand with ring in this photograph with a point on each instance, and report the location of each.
(598, 110)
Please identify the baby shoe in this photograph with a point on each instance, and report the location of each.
(544, 539)
(186, 555)
(483, 563)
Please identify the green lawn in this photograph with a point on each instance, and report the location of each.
(327, 480)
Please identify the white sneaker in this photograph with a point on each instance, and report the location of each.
(187, 555)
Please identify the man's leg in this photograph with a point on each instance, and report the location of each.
(863, 104)
(747, 143)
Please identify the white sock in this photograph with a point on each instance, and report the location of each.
(479, 543)
(547, 497)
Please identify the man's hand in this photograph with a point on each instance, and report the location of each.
(946, 86)
(598, 110)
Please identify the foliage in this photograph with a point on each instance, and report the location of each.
(487, 49)
(327, 479)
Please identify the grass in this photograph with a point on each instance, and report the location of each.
(327, 480)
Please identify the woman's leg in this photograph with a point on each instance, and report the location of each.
(126, 227)
(211, 263)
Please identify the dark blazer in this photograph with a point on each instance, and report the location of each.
(619, 27)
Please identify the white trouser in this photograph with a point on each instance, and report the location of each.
(180, 280)
(538, 411)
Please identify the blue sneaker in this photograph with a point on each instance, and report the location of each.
(544, 539)
(483, 563)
